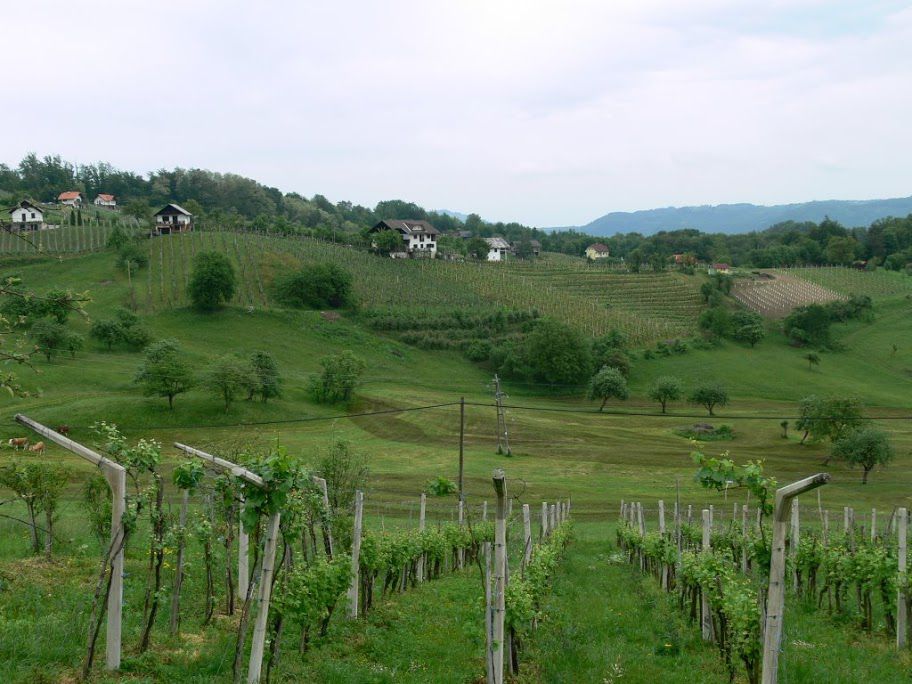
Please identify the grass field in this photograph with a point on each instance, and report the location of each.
(561, 447)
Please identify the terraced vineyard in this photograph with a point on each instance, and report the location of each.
(849, 281)
(646, 307)
(776, 296)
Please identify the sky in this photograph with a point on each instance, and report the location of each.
(550, 113)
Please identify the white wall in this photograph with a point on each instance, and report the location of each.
(20, 215)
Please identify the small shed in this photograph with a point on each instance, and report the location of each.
(26, 216)
(172, 218)
(498, 248)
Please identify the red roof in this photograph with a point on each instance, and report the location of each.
(105, 198)
(70, 195)
(721, 267)
(599, 247)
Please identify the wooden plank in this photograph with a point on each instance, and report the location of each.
(222, 464)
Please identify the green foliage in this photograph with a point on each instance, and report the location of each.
(722, 473)
(266, 372)
(125, 329)
(281, 475)
(213, 281)
(477, 248)
(317, 286)
(340, 376)
(308, 594)
(709, 395)
(666, 388)
(716, 321)
(828, 418)
(188, 474)
(345, 470)
(165, 372)
(131, 256)
(440, 486)
(747, 327)
(557, 354)
(96, 500)
(388, 241)
(608, 383)
(867, 447)
(51, 337)
(229, 377)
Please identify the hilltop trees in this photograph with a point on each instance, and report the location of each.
(666, 388)
(165, 371)
(213, 281)
(607, 384)
(709, 396)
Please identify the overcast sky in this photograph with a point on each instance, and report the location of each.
(549, 113)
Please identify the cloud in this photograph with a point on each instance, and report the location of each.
(548, 113)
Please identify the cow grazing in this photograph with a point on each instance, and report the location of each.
(37, 448)
(63, 430)
(19, 443)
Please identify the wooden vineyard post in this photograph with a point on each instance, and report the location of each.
(500, 579)
(327, 512)
(544, 520)
(461, 448)
(356, 553)
(255, 665)
(484, 511)
(116, 477)
(243, 556)
(527, 536)
(705, 614)
(775, 602)
(662, 532)
(179, 565)
(873, 525)
(690, 514)
(902, 613)
(826, 527)
(552, 521)
(793, 545)
(744, 539)
(460, 552)
(422, 511)
(489, 614)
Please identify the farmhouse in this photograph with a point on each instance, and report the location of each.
(598, 251)
(534, 244)
(172, 219)
(103, 200)
(70, 198)
(419, 238)
(498, 248)
(26, 216)
(719, 268)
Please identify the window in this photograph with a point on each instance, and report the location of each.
(33, 214)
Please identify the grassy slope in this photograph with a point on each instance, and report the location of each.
(597, 459)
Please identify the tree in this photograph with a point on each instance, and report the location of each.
(345, 471)
(808, 325)
(213, 281)
(709, 396)
(867, 447)
(751, 334)
(39, 486)
(477, 248)
(831, 418)
(841, 250)
(666, 388)
(813, 359)
(524, 249)
(49, 337)
(717, 321)
(107, 332)
(608, 383)
(339, 378)
(165, 371)
(388, 242)
(318, 286)
(228, 377)
(557, 354)
(785, 429)
(266, 371)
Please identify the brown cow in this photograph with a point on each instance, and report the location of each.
(37, 448)
(63, 430)
(19, 443)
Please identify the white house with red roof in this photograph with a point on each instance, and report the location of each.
(71, 198)
(103, 200)
(598, 251)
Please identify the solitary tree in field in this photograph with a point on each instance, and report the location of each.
(785, 429)
(608, 383)
(266, 373)
(165, 371)
(813, 359)
(750, 333)
(213, 282)
(50, 337)
(665, 389)
(709, 396)
(230, 377)
(868, 447)
(831, 419)
(340, 376)
(107, 331)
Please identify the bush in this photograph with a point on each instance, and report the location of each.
(320, 286)
(478, 350)
(132, 253)
(340, 376)
(440, 486)
(213, 281)
(557, 354)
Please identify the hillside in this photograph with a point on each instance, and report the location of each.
(743, 218)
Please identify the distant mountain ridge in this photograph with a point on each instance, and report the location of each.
(743, 218)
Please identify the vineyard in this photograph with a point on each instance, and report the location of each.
(775, 297)
(849, 281)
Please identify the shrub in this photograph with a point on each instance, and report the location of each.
(440, 486)
(213, 281)
(319, 286)
(339, 378)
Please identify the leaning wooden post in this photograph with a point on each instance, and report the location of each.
(902, 615)
(500, 563)
(422, 509)
(775, 602)
(116, 476)
(705, 613)
(793, 545)
(179, 569)
(356, 553)
(254, 667)
(527, 536)
(544, 520)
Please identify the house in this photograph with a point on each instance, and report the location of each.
(71, 198)
(105, 200)
(534, 244)
(172, 219)
(598, 251)
(719, 268)
(26, 216)
(498, 248)
(419, 238)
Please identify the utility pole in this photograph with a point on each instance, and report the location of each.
(503, 437)
(461, 447)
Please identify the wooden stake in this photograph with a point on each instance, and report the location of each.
(461, 447)
(873, 525)
(793, 545)
(422, 506)
(527, 536)
(327, 524)
(744, 539)
(254, 667)
(902, 614)
(179, 565)
(775, 602)
(544, 520)
(460, 552)
(243, 557)
(705, 614)
(500, 566)
(356, 552)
